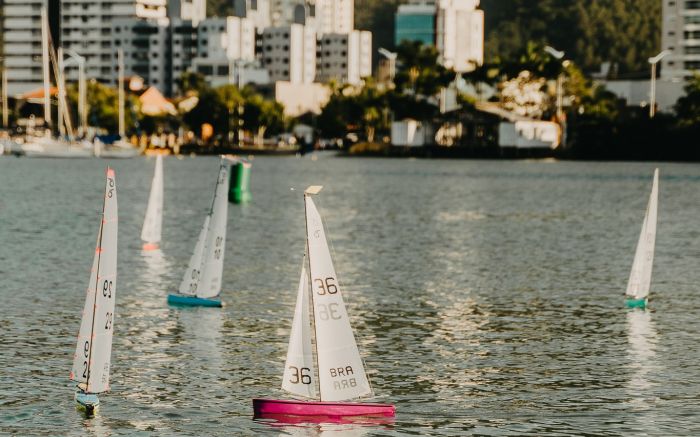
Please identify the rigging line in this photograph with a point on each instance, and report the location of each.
(329, 240)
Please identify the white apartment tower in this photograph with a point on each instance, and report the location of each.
(334, 16)
(289, 53)
(146, 51)
(681, 36)
(86, 28)
(22, 43)
(345, 57)
(188, 10)
(459, 34)
(225, 46)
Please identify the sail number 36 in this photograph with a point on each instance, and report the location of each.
(298, 375)
(326, 286)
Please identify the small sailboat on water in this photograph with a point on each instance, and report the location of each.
(340, 370)
(153, 223)
(91, 362)
(640, 277)
(201, 284)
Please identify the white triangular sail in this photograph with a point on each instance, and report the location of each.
(215, 241)
(91, 362)
(640, 276)
(341, 372)
(190, 280)
(299, 368)
(152, 224)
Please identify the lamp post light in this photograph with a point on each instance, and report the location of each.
(82, 89)
(391, 57)
(3, 84)
(559, 55)
(652, 92)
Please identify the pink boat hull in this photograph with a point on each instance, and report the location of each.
(274, 407)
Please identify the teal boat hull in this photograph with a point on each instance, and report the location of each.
(179, 299)
(87, 402)
(636, 303)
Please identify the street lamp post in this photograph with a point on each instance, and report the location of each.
(652, 92)
(391, 57)
(559, 55)
(82, 89)
(5, 109)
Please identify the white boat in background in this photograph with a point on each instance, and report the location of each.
(47, 147)
(201, 283)
(118, 150)
(339, 373)
(639, 282)
(92, 359)
(153, 222)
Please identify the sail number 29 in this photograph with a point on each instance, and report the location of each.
(326, 286)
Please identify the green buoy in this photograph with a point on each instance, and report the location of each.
(239, 188)
(636, 303)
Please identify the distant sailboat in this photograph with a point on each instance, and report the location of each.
(340, 370)
(201, 284)
(91, 362)
(152, 224)
(640, 276)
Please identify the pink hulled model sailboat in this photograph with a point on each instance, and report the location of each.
(340, 375)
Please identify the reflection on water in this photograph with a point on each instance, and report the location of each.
(351, 427)
(642, 338)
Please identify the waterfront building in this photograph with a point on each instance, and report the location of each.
(146, 47)
(188, 10)
(86, 28)
(183, 48)
(681, 36)
(258, 11)
(289, 53)
(459, 34)
(226, 50)
(415, 21)
(21, 40)
(334, 16)
(344, 57)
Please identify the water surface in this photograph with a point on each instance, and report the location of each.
(486, 296)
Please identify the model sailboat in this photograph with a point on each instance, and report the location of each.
(201, 284)
(152, 224)
(340, 370)
(640, 276)
(91, 362)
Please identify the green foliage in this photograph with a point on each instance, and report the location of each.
(418, 69)
(626, 32)
(103, 106)
(191, 82)
(688, 107)
(225, 106)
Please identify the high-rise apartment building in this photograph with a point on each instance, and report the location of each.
(345, 57)
(21, 40)
(334, 16)
(86, 28)
(415, 21)
(681, 36)
(289, 53)
(459, 34)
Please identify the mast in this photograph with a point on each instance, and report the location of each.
(311, 302)
(61, 92)
(120, 61)
(5, 111)
(45, 66)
